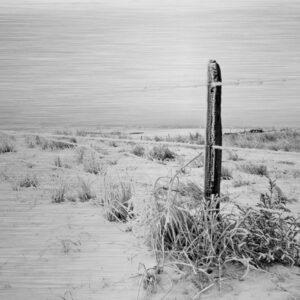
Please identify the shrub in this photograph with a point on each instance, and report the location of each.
(116, 200)
(6, 145)
(161, 153)
(254, 169)
(138, 150)
(158, 139)
(85, 193)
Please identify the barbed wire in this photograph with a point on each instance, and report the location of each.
(235, 82)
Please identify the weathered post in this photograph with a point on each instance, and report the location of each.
(213, 157)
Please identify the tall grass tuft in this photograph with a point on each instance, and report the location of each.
(60, 193)
(85, 192)
(92, 164)
(205, 240)
(6, 145)
(116, 200)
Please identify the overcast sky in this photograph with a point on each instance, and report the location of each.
(76, 62)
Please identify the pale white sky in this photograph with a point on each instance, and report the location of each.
(88, 61)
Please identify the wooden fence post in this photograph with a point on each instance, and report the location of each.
(213, 157)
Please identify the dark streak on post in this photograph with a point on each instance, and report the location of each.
(213, 157)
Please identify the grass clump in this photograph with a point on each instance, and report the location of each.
(116, 200)
(226, 173)
(85, 192)
(7, 145)
(60, 193)
(233, 156)
(28, 180)
(240, 181)
(191, 138)
(161, 153)
(113, 144)
(254, 169)
(205, 240)
(63, 132)
(92, 164)
(46, 144)
(82, 132)
(58, 162)
(138, 150)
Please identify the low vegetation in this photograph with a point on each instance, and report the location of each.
(254, 169)
(226, 173)
(92, 164)
(7, 145)
(60, 193)
(47, 144)
(26, 181)
(116, 200)
(284, 140)
(161, 153)
(85, 192)
(138, 150)
(204, 241)
(232, 156)
(240, 181)
(191, 138)
(58, 162)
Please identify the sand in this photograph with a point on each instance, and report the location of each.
(70, 251)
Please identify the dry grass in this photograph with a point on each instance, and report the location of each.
(113, 144)
(26, 181)
(161, 153)
(46, 144)
(116, 200)
(81, 132)
(226, 173)
(92, 164)
(284, 140)
(254, 169)
(232, 156)
(60, 193)
(85, 192)
(58, 162)
(203, 240)
(63, 132)
(29, 180)
(240, 181)
(138, 150)
(191, 138)
(7, 145)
